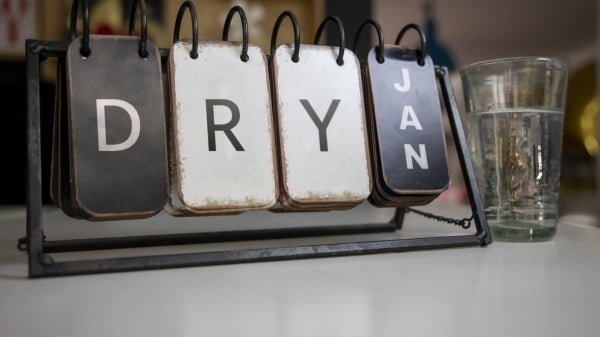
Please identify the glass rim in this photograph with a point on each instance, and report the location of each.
(558, 63)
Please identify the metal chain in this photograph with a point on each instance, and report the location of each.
(464, 223)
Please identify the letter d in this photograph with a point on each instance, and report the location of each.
(101, 114)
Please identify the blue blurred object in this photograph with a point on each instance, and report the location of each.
(438, 52)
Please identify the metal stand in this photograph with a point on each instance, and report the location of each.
(41, 263)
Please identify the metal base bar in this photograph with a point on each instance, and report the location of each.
(41, 264)
(61, 246)
(122, 264)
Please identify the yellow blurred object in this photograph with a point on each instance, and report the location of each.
(587, 124)
(582, 111)
(106, 13)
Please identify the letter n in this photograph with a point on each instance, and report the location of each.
(420, 158)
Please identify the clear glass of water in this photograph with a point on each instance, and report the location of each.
(515, 109)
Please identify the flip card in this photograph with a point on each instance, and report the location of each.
(406, 131)
(116, 130)
(322, 131)
(222, 146)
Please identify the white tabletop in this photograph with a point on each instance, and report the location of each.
(505, 289)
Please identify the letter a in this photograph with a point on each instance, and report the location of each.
(406, 82)
(101, 104)
(411, 155)
(413, 121)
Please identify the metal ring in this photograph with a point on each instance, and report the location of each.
(379, 47)
(143, 50)
(340, 25)
(421, 59)
(295, 57)
(85, 50)
(189, 5)
(237, 9)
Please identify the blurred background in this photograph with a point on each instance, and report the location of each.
(459, 32)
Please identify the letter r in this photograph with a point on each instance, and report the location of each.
(226, 128)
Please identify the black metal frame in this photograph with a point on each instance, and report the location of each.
(41, 263)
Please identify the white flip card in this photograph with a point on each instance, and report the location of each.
(222, 153)
(321, 128)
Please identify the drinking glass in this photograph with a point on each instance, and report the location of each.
(515, 109)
